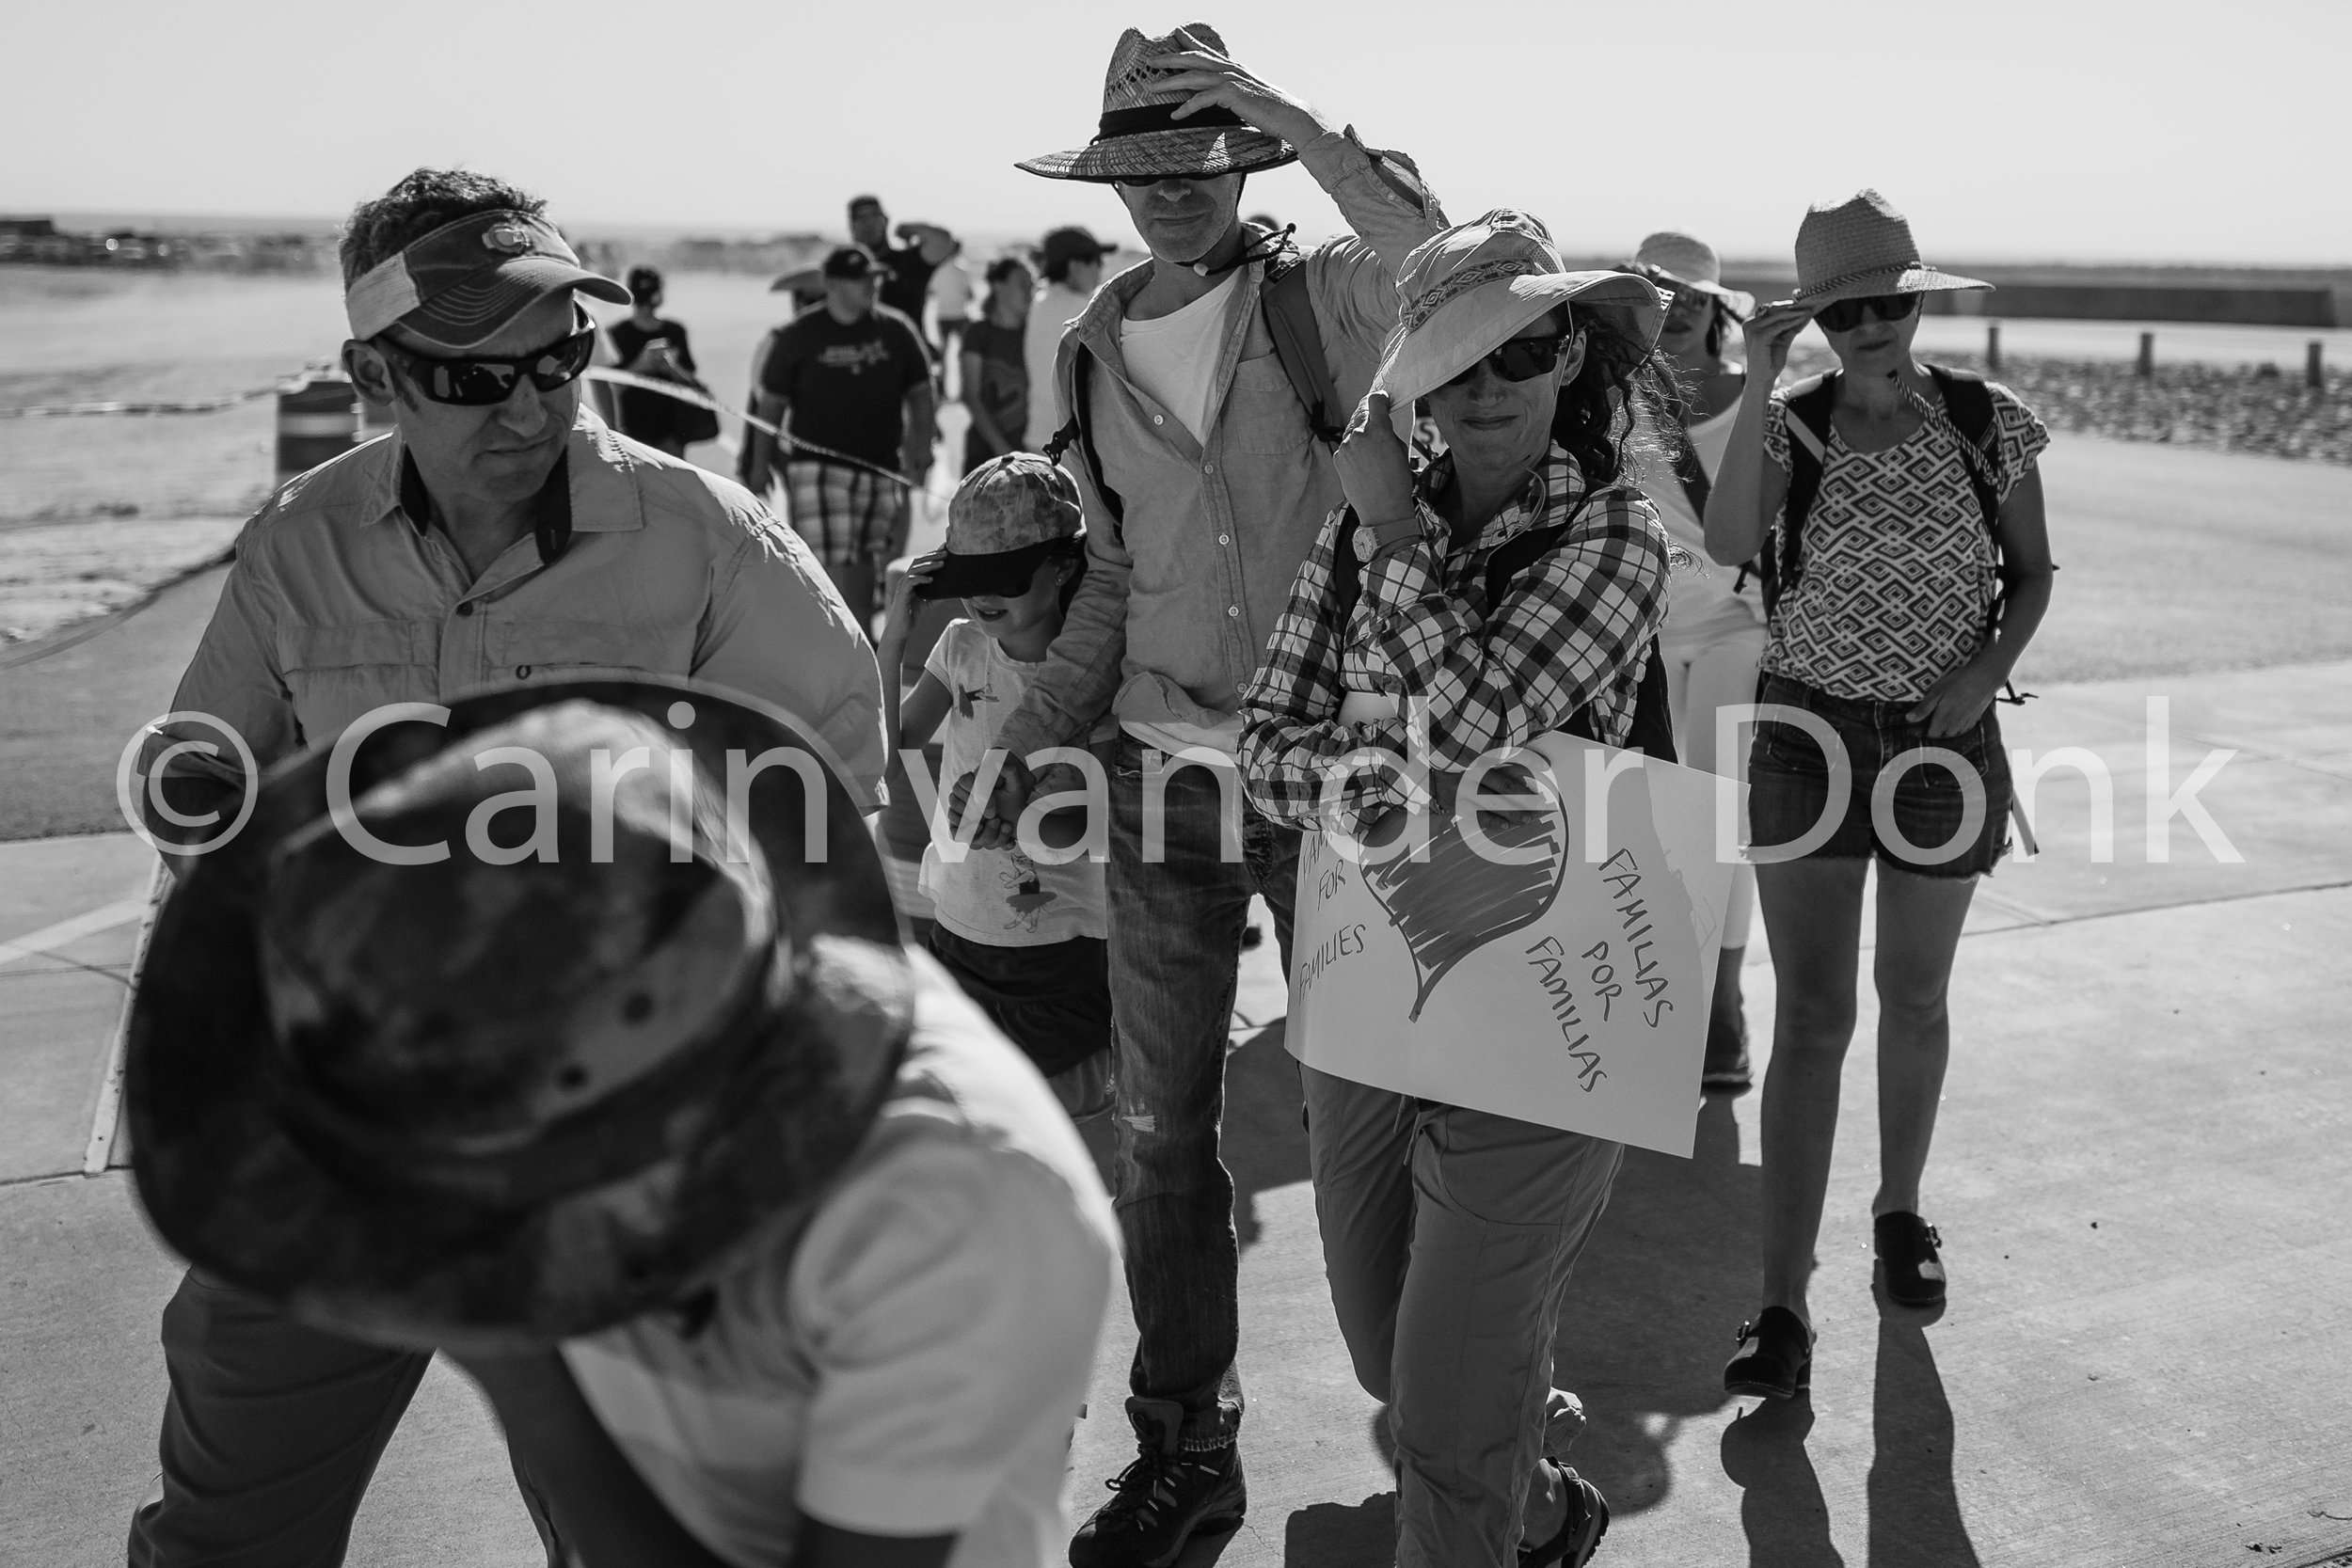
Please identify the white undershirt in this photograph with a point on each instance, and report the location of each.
(1173, 359)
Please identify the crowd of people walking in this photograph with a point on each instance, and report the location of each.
(744, 1211)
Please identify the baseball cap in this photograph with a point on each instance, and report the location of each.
(458, 285)
(849, 261)
(1009, 515)
(1073, 244)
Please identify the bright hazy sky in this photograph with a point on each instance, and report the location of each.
(2010, 129)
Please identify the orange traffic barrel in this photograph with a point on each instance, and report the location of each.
(318, 418)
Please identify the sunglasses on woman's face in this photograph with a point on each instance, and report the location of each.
(1846, 314)
(1518, 358)
(476, 383)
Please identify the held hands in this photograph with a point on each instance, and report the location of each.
(1768, 335)
(1375, 469)
(1000, 819)
(1212, 79)
(1954, 703)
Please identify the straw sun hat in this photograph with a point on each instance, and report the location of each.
(1466, 290)
(1860, 248)
(496, 1099)
(1138, 138)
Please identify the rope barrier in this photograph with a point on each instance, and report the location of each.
(704, 399)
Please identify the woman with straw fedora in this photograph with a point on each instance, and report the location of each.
(1715, 620)
(1449, 1233)
(1902, 508)
(765, 1246)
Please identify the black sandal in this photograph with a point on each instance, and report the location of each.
(1776, 1359)
(1580, 1533)
(1907, 1250)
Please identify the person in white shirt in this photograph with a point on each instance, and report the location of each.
(1071, 262)
(950, 299)
(765, 1245)
(1714, 633)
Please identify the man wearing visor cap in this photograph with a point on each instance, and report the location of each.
(502, 533)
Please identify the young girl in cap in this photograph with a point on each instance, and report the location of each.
(1715, 620)
(1449, 1233)
(1022, 934)
(1901, 611)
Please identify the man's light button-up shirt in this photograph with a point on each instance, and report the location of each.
(341, 602)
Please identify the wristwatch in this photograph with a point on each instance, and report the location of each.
(1371, 539)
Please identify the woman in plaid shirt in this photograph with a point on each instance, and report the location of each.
(1449, 1233)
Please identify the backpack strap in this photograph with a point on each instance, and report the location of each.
(1810, 414)
(1076, 432)
(1969, 404)
(1290, 321)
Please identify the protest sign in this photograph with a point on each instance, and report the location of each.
(1571, 990)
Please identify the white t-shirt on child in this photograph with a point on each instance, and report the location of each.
(997, 896)
(915, 1363)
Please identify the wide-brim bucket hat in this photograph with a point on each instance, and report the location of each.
(1860, 248)
(1467, 290)
(1138, 136)
(467, 1102)
(1681, 261)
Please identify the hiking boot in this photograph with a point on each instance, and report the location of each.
(1909, 1260)
(1580, 1533)
(1164, 1498)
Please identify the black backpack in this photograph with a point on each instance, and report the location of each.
(1653, 733)
(1290, 319)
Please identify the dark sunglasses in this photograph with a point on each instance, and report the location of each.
(476, 383)
(1518, 358)
(1846, 314)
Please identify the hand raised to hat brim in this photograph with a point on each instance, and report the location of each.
(1376, 473)
(1768, 335)
(1212, 79)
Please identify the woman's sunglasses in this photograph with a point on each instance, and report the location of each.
(1518, 358)
(1846, 314)
(476, 383)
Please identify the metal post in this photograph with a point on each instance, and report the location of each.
(1992, 347)
(2147, 355)
(2314, 370)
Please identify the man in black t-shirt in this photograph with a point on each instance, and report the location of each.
(850, 385)
(906, 268)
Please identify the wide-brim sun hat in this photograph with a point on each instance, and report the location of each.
(1138, 136)
(1860, 248)
(479, 1104)
(1682, 260)
(1467, 290)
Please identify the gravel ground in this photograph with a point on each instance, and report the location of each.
(2248, 408)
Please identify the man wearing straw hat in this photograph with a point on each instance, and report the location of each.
(764, 1244)
(1203, 482)
(501, 533)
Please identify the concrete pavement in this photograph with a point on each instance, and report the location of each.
(2139, 1175)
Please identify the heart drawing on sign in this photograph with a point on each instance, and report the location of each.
(1451, 904)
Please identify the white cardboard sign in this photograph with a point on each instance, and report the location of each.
(1571, 991)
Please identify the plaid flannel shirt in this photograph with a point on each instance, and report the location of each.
(1573, 628)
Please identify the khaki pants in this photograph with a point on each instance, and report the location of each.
(1447, 1236)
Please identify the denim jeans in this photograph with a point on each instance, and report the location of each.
(1179, 901)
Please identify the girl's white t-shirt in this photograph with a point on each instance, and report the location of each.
(997, 896)
(1700, 604)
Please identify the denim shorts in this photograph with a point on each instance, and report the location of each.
(1946, 814)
